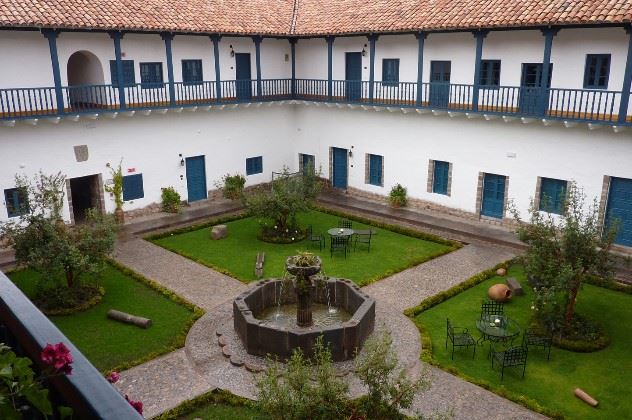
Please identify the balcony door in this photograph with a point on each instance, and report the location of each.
(440, 83)
(243, 85)
(531, 87)
(353, 76)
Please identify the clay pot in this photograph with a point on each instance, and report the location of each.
(501, 272)
(499, 293)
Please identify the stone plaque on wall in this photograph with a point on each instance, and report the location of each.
(81, 153)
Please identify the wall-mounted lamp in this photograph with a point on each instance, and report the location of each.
(181, 160)
(232, 52)
(350, 153)
(364, 51)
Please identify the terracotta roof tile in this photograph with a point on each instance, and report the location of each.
(308, 17)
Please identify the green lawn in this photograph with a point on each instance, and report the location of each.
(235, 255)
(222, 411)
(606, 375)
(108, 343)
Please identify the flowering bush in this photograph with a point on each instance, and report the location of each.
(113, 377)
(138, 406)
(58, 357)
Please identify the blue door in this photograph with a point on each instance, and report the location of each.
(243, 76)
(531, 91)
(619, 209)
(340, 168)
(353, 76)
(440, 83)
(493, 196)
(196, 178)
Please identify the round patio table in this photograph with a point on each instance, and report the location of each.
(340, 232)
(495, 328)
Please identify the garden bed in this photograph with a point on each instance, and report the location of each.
(393, 249)
(548, 385)
(112, 345)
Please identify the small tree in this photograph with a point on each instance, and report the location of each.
(46, 245)
(562, 251)
(390, 389)
(288, 196)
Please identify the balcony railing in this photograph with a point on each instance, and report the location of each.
(26, 330)
(596, 106)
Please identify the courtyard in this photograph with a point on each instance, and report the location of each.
(185, 282)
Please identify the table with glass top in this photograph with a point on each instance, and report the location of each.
(340, 232)
(495, 328)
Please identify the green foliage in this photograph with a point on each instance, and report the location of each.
(68, 300)
(116, 189)
(18, 386)
(288, 393)
(390, 389)
(548, 384)
(213, 405)
(57, 251)
(232, 186)
(398, 197)
(45, 194)
(562, 252)
(278, 206)
(171, 201)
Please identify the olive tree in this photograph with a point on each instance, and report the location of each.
(562, 251)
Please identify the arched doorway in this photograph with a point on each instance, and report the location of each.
(85, 82)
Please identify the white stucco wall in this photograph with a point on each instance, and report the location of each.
(408, 141)
(193, 48)
(31, 65)
(151, 145)
(311, 58)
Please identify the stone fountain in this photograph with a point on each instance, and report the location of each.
(277, 316)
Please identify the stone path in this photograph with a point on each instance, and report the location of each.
(409, 287)
(165, 382)
(196, 283)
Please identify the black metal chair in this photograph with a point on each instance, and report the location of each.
(538, 337)
(339, 243)
(459, 337)
(344, 223)
(315, 237)
(490, 307)
(363, 238)
(510, 357)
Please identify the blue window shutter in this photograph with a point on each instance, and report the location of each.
(133, 187)
(16, 201)
(128, 72)
(254, 165)
(440, 178)
(192, 71)
(390, 71)
(490, 73)
(552, 195)
(308, 163)
(375, 170)
(597, 71)
(151, 74)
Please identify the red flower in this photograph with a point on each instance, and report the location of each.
(114, 377)
(138, 406)
(57, 356)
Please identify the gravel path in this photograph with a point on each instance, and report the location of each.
(196, 283)
(409, 287)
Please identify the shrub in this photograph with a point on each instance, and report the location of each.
(289, 393)
(232, 186)
(171, 201)
(398, 197)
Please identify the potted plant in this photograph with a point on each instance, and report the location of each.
(398, 196)
(116, 189)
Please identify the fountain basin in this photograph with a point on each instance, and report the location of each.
(263, 338)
